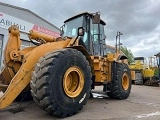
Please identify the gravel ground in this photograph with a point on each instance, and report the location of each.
(142, 104)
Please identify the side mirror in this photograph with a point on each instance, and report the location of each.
(81, 31)
(96, 18)
(105, 37)
(62, 30)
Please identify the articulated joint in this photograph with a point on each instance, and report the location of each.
(16, 56)
(14, 30)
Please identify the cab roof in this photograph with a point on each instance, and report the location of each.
(82, 14)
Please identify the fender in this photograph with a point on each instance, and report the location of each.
(121, 57)
(86, 54)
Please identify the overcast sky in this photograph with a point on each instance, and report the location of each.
(138, 20)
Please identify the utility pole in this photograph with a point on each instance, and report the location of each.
(118, 40)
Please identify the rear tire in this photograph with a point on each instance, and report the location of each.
(120, 87)
(61, 82)
(138, 78)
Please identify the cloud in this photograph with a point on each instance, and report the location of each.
(138, 20)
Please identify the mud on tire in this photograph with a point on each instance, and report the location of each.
(61, 82)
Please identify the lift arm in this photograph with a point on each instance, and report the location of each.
(19, 64)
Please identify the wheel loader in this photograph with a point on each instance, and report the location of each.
(144, 73)
(61, 72)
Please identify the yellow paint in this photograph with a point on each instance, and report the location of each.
(125, 81)
(19, 65)
(139, 65)
(73, 81)
(20, 79)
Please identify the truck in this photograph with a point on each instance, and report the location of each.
(61, 72)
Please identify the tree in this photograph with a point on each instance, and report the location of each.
(128, 53)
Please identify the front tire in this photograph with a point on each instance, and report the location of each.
(61, 82)
(120, 86)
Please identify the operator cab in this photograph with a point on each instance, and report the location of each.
(94, 37)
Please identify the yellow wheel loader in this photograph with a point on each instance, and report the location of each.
(61, 72)
(143, 72)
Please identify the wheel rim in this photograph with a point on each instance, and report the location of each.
(125, 81)
(73, 81)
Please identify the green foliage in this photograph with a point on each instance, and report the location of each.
(128, 53)
(156, 72)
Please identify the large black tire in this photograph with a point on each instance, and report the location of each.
(120, 86)
(61, 82)
(138, 78)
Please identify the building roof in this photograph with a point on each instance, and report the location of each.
(27, 10)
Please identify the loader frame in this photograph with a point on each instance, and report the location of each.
(82, 34)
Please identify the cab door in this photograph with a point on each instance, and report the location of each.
(95, 39)
(98, 39)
